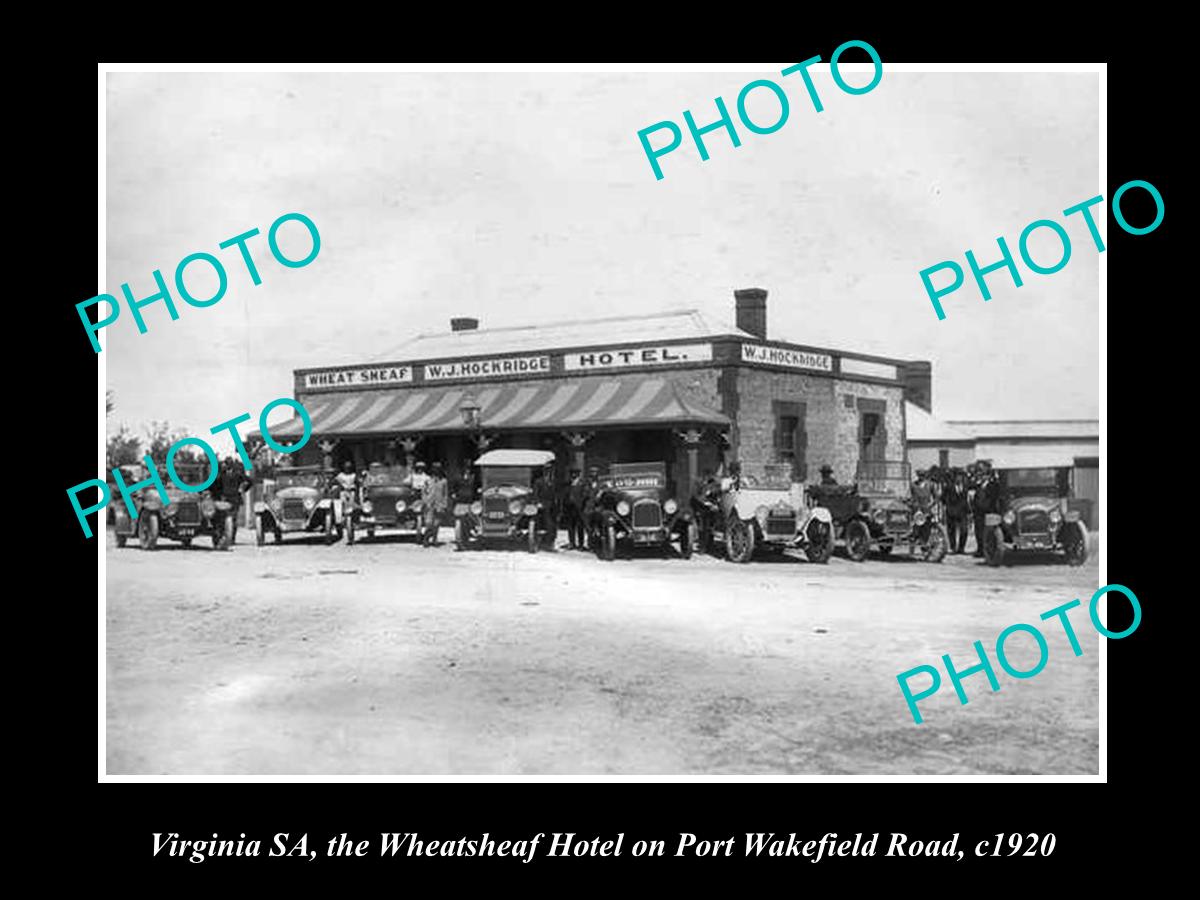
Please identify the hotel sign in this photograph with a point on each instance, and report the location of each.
(624, 358)
(358, 377)
(488, 368)
(788, 359)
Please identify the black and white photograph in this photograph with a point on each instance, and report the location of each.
(603, 421)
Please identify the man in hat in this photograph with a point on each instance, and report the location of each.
(230, 484)
(573, 509)
(435, 499)
(827, 474)
(346, 485)
(591, 495)
(418, 476)
(986, 500)
(957, 507)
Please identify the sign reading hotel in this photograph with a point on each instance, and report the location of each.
(488, 368)
(789, 359)
(344, 379)
(638, 356)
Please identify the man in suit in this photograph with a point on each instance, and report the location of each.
(435, 498)
(957, 512)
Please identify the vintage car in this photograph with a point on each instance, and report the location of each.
(188, 515)
(513, 502)
(879, 511)
(634, 506)
(386, 503)
(298, 500)
(773, 514)
(1033, 516)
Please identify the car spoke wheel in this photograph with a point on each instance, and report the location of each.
(858, 540)
(739, 540)
(148, 532)
(993, 546)
(260, 531)
(937, 544)
(820, 542)
(1076, 544)
(531, 530)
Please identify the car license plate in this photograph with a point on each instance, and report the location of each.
(495, 515)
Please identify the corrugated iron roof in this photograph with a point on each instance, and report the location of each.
(680, 324)
(1028, 428)
(921, 426)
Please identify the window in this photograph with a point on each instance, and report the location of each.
(791, 439)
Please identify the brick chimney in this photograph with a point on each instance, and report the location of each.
(917, 376)
(463, 323)
(751, 306)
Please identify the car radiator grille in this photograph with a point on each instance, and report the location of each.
(647, 514)
(1033, 521)
(294, 509)
(188, 514)
(781, 525)
(495, 505)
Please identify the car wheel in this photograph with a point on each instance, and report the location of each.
(371, 533)
(739, 540)
(328, 527)
(121, 539)
(531, 532)
(608, 544)
(349, 531)
(460, 535)
(993, 546)
(858, 540)
(187, 543)
(260, 532)
(148, 532)
(1076, 544)
(820, 542)
(278, 535)
(687, 541)
(937, 544)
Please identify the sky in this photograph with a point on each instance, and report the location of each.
(526, 197)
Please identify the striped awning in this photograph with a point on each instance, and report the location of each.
(575, 405)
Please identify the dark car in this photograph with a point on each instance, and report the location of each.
(514, 502)
(879, 511)
(296, 500)
(1033, 516)
(387, 503)
(635, 506)
(187, 515)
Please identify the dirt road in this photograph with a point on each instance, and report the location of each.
(393, 659)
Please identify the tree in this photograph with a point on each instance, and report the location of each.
(160, 436)
(108, 402)
(123, 448)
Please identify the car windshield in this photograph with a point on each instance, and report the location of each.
(386, 475)
(520, 476)
(298, 479)
(1032, 478)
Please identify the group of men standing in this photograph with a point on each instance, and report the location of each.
(968, 495)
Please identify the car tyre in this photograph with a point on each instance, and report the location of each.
(687, 541)
(993, 546)
(225, 540)
(349, 531)
(329, 527)
(937, 545)
(148, 532)
(608, 544)
(1077, 547)
(260, 531)
(858, 540)
(187, 543)
(820, 543)
(460, 535)
(739, 540)
(532, 536)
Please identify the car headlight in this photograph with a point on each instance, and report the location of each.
(531, 509)
(879, 515)
(460, 509)
(761, 513)
(476, 507)
(367, 507)
(1055, 516)
(919, 518)
(309, 503)
(401, 506)
(515, 507)
(670, 507)
(277, 504)
(622, 508)
(1010, 517)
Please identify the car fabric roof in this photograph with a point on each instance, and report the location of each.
(515, 458)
